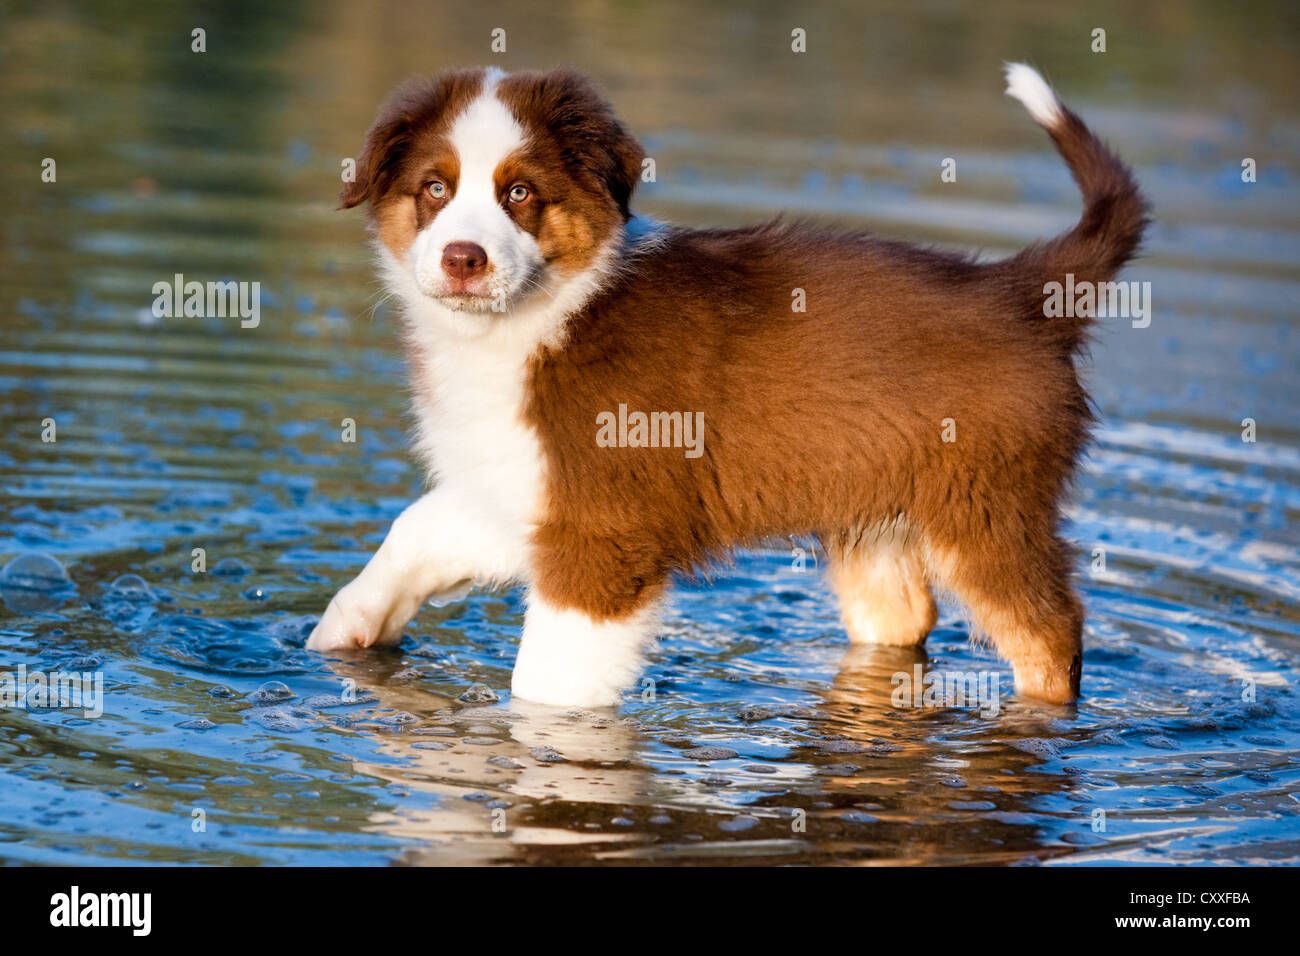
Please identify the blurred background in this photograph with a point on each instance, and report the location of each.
(176, 434)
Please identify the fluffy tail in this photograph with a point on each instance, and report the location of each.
(1114, 211)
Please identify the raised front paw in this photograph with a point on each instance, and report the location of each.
(352, 621)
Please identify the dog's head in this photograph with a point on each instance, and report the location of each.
(492, 188)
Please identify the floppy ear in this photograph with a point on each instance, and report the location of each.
(383, 148)
(416, 103)
(626, 155)
(593, 138)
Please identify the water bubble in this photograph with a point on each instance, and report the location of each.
(131, 587)
(35, 582)
(287, 720)
(230, 568)
(264, 756)
(479, 694)
(839, 770)
(197, 723)
(85, 663)
(271, 692)
(1045, 749)
(710, 753)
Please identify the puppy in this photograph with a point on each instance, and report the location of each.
(598, 412)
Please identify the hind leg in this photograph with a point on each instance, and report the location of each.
(884, 597)
(1017, 589)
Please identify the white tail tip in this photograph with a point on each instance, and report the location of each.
(1026, 85)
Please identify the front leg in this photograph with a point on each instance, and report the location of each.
(435, 547)
(591, 613)
(570, 658)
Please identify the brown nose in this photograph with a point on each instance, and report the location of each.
(463, 260)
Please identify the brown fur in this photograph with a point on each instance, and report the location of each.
(405, 149)
(580, 160)
(827, 422)
(580, 163)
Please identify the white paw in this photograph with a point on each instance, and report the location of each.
(567, 659)
(350, 621)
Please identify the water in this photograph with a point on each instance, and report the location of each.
(767, 739)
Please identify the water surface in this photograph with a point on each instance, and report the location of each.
(767, 739)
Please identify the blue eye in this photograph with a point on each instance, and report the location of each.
(437, 190)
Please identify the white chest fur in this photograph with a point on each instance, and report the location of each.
(470, 375)
(471, 429)
(475, 444)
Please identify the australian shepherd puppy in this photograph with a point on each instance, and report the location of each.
(599, 411)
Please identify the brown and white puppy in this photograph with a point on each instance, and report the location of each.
(599, 413)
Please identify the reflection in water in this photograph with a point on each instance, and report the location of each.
(198, 506)
(529, 783)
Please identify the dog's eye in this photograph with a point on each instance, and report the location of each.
(437, 190)
(518, 193)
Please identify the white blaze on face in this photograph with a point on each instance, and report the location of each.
(484, 135)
